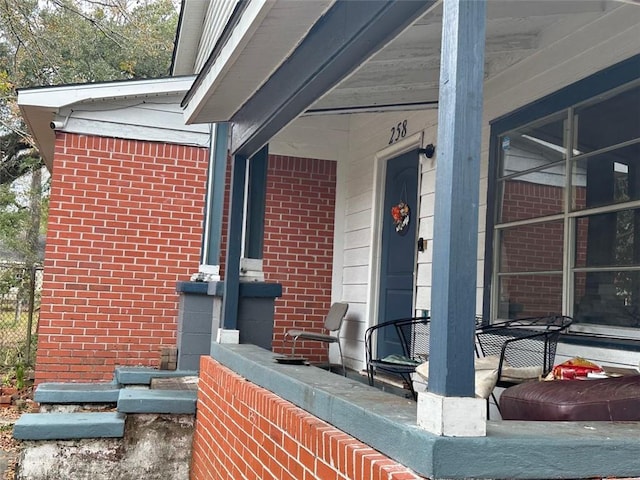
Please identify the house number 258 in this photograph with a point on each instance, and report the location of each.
(398, 131)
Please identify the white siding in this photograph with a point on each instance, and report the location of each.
(151, 119)
(369, 135)
(216, 18)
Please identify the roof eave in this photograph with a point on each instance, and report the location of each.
(242, 63)
(39, 106)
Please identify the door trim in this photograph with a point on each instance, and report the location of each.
(381, 158)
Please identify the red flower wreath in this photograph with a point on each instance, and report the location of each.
(400, 214)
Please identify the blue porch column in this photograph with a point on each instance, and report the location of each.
(210, 254)
(234, 244)
(198, 313)
(449, 407)
(251, 265)
(247, 312)
(254, 241)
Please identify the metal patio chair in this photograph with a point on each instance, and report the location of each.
(525, 347)
(412, 334)
(332, 323)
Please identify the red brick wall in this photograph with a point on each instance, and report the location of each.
(244, 431)
(125, 224)
(298, 251)
(298, 245)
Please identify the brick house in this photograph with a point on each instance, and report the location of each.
(535, 147)
(527, 208)
(125, 225)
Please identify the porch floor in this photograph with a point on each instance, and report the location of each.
(386, 422)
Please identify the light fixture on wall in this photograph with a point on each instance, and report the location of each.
(59, 125)
(428, 151)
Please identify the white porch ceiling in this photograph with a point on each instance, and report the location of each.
(404, 74)
(407, 71)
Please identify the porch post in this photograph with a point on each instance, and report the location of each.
(251, 268)
(449, 407)
(228, 333)
(210, 255)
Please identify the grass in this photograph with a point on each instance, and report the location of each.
(13, 338)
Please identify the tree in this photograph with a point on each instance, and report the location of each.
(54, 42)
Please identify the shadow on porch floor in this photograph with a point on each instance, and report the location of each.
(385, 383)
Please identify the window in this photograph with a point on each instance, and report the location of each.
(566, 195)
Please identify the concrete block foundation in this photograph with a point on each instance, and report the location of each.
(154, 447)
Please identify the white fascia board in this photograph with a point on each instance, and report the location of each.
(148, 118)
(188, 39)
(264, 37)
(243, 32)
(60, 96)
(142, 132)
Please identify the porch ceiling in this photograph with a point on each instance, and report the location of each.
(402, 75)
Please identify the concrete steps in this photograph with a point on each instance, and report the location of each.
(178, 402)
(143, 376)
(128, 393)
(69, 426)
(77, 393)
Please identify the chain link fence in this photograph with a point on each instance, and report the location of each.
(20, 289)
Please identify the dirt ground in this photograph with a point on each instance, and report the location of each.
(9, 447)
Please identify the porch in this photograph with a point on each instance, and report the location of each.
(376, 76)
(387, 423)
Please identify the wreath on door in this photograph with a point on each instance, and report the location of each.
(400, 214)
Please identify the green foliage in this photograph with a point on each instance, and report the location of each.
(13, 223)
(72, 41)
(19, 376)
(54, 42)
(11, 278)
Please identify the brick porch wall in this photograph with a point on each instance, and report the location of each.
(244, 431)
(125, 224)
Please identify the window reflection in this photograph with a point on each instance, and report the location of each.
(608, 298)
(531, 195)
(601, 156)
(609, 121)
(533, 146)
(532, 248)
(529, 296)
(608, 241)
(608, 178)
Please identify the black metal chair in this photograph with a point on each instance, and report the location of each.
(525, 347)
(412, 334)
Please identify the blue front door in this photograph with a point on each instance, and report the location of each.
(398, 251)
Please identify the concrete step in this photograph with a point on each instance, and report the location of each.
(65, 393)
(143, 375)
(68, 426)
(142, 400)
